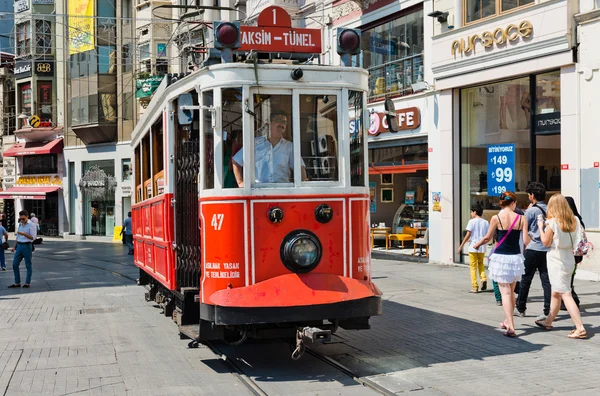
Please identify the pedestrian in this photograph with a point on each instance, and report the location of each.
(26, 234)
(4, 234)
(578, 259)
(477, 227)
(497, 293)
(561, 233)
(128, 231)
(506, 262)
(535, 251)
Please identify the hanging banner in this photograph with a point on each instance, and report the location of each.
(501, 168)
(147, 86)
(81, 25)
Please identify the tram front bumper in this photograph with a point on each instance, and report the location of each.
(294, 298)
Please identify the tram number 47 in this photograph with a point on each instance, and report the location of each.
(217, 221)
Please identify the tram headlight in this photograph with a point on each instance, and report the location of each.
(301, 251)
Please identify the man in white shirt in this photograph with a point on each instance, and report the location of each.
(273, 155)
(26, 234)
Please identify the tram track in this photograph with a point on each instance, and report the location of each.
(255, 388)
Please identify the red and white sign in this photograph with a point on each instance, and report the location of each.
(408, 119)
(275, 33)
(596, 164)
(564, 167)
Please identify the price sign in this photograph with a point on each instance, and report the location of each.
(501, 168)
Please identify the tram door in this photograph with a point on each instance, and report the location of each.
(187, 228)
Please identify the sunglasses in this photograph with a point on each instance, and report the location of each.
(22, 218)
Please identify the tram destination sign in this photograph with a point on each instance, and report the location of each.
(275, 33)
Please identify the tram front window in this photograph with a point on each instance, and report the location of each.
(319, 135)
(232, 132)
(273, 142)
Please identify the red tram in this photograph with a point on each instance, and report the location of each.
(276, 249)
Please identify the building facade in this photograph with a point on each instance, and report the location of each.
(515, 83)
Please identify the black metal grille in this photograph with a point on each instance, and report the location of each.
(187, 221)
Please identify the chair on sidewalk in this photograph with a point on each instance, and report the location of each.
(408, 234)
(421, 242)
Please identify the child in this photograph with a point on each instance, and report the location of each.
(477, 228)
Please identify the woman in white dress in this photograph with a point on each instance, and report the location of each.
(507, 262)
(561, 235)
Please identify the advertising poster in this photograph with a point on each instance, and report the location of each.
(501, 168)
(436, 199)
(373, 197)
(81, 26)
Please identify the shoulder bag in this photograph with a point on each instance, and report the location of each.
(583, 247)
(503, 238)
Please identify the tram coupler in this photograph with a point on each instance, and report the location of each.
(314, 334)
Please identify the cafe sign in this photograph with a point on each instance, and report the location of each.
(499, 36)
(50, 180)
(408, 119)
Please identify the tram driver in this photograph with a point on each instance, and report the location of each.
(273, 155)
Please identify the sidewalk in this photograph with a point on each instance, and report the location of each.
(84, 328)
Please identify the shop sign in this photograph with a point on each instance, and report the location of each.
(549, 122)
(147, 86)
(22, 69)
(126, 191)
(408, 119)
(501, 168)
(49, 180)
(44, 69)
(96, 184)
(499, 36)
(21, 5)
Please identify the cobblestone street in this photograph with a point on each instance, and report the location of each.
(84, 328)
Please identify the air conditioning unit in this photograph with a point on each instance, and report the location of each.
(325, 163)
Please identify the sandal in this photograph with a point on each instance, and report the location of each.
(503, 326)
(15, 285)
(510, 333)
(578, 334)
(543, 325)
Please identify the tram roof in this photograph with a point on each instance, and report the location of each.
(166, 93)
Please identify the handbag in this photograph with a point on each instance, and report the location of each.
(583, 246)
(503, 238)
(5, 245)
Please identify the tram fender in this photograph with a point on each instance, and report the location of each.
(293, 290)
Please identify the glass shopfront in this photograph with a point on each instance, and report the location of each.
(98, 189)
(520, 115)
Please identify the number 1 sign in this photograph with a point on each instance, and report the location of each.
(501, 168)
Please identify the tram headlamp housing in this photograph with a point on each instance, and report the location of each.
(301, 251)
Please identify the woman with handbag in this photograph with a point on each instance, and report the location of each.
(578, 259)
(562, 235)
(506, 262)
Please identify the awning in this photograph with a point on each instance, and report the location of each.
(27, 192)
(396, 169)
(34, 148)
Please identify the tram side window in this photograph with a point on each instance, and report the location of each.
(157, 158)
(138, 175)
(273, 142)
(232, 133)
(319, 134)
(146, 177)
(357, 139)
(209, 139)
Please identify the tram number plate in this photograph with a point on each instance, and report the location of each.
(217, 221)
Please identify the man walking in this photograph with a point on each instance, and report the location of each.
(26, 234)
(535, 253)
(128, 230)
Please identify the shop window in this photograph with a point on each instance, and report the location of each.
(209, 145)
(319, 137)
(499, 116)
(25, 101)
(23, 38)
(273, 140)
(476, 10)
(357, 139)
(40, 164)
(393, 54)
(45, 100)
(400, 155)
(233, 137)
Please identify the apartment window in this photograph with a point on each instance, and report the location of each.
(23, 38)
(393, 54)
(128, 103)
(144, 51)
(480, 9)
(126, 9)
(126, 58)
(45, 100)
(40, 164)
(43, 37)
